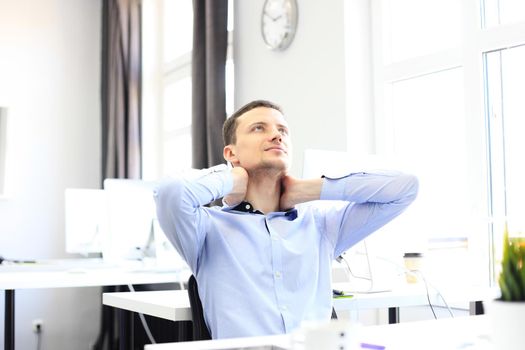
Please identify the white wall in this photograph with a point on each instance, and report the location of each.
(307, 79)
(49, 80)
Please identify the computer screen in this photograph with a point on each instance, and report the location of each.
(377, 256)
(132, 226)
(130, 219)
(85, 213)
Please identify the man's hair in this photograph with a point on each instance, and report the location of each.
(229, 127)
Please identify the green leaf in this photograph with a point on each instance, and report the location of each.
(520, 245)
(512, 286)
(522, 281)
(505, 292)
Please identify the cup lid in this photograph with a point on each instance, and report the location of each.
(413, 255)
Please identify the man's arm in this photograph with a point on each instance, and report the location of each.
(373, 200)
(180, 210)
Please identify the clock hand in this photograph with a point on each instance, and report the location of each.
(274, 19)
(267, 15)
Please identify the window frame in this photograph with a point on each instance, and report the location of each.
(476, 41)
(156, 77)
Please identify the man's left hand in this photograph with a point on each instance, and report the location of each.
(295, 191)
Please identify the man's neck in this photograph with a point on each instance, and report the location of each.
(264, 190)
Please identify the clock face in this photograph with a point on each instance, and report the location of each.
(278, 23)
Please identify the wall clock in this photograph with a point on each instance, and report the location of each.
(279, 23)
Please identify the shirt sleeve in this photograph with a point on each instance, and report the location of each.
(373, 199)
(180, 209)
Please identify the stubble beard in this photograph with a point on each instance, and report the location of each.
(270, 169)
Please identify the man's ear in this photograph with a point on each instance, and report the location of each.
(229, 154)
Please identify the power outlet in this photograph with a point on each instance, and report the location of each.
(37, 326)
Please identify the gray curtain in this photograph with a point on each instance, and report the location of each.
(121, 89)
(210, 41)
(120, 111)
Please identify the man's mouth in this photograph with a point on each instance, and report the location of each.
(276, 148)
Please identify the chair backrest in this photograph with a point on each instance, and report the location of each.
(334, 314)
(200, 330)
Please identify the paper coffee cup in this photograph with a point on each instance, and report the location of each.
(413, 264)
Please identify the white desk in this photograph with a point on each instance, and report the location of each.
(446, 334)
(71, 273)
(175, 306)
(406, 295)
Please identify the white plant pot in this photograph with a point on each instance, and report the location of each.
(507, 320)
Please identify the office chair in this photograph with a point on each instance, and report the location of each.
(334, 314)
(200, 330)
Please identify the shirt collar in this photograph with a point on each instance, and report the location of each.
(247, 207)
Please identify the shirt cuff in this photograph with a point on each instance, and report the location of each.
(227, 184)
(333, 188)
(218, 177)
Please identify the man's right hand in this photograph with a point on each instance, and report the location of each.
(240, 185)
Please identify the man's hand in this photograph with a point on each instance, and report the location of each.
(240, 185)
(295, 191)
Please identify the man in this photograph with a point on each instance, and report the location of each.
(263, 260)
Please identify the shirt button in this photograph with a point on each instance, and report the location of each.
(247, 206)
(283, 308)
(278, 274)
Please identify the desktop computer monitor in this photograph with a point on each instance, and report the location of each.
(374, 262)
(85, 212)
(133, 230)
(130, 214)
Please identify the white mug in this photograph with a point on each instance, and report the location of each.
(331, 335)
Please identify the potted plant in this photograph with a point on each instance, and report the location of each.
(512, 278)
(508, 312)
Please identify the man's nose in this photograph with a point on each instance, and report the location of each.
(277, 136)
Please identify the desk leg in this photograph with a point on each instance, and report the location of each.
(126, 334)
(107, 324)
(9, 322)
(476, 308)
(393, 315)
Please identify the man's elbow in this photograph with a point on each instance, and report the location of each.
(409, 187)
(169, 193)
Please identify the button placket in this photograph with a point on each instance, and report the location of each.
(277, 269)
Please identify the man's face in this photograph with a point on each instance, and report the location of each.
(263, 141)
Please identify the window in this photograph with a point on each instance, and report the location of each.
(503, 51)
(413, 28)
(177, 28)
(167, 45)
(420, 121)
(498, 12)
(429, 130)
(447, 84)
(505, 83)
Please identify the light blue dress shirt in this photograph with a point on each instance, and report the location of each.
(265, 274)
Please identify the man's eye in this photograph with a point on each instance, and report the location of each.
(283, 131)
(257, 128)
